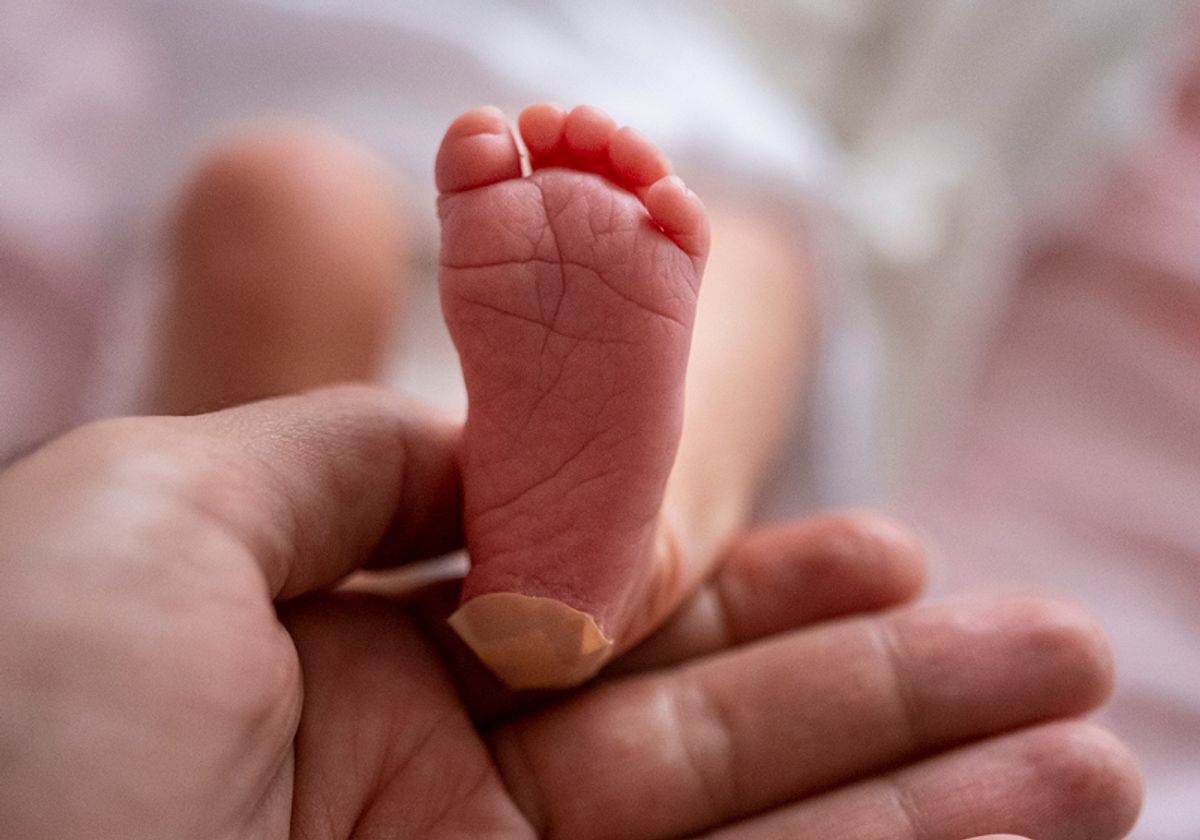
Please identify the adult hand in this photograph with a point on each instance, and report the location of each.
(151, 689)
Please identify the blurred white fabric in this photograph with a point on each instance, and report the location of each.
(1037, 424)
(960, 126)
(1021, 189)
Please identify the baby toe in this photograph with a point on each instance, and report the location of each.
(586, 137)
(478, 149)
(635, 161)
(681, 215)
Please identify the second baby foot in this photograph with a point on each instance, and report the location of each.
(569, 294)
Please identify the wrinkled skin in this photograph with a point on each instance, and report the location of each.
(152, 690)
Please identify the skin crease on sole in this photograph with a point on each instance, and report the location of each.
(570, 294)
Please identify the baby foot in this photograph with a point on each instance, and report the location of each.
(570, 295)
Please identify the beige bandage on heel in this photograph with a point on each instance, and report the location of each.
(533, 642)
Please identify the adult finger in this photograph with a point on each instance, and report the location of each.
(308, 487)
(770, 581)
(784, 719)
(1061, 781)
(787, 576)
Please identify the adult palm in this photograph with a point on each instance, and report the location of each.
(152, 688)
